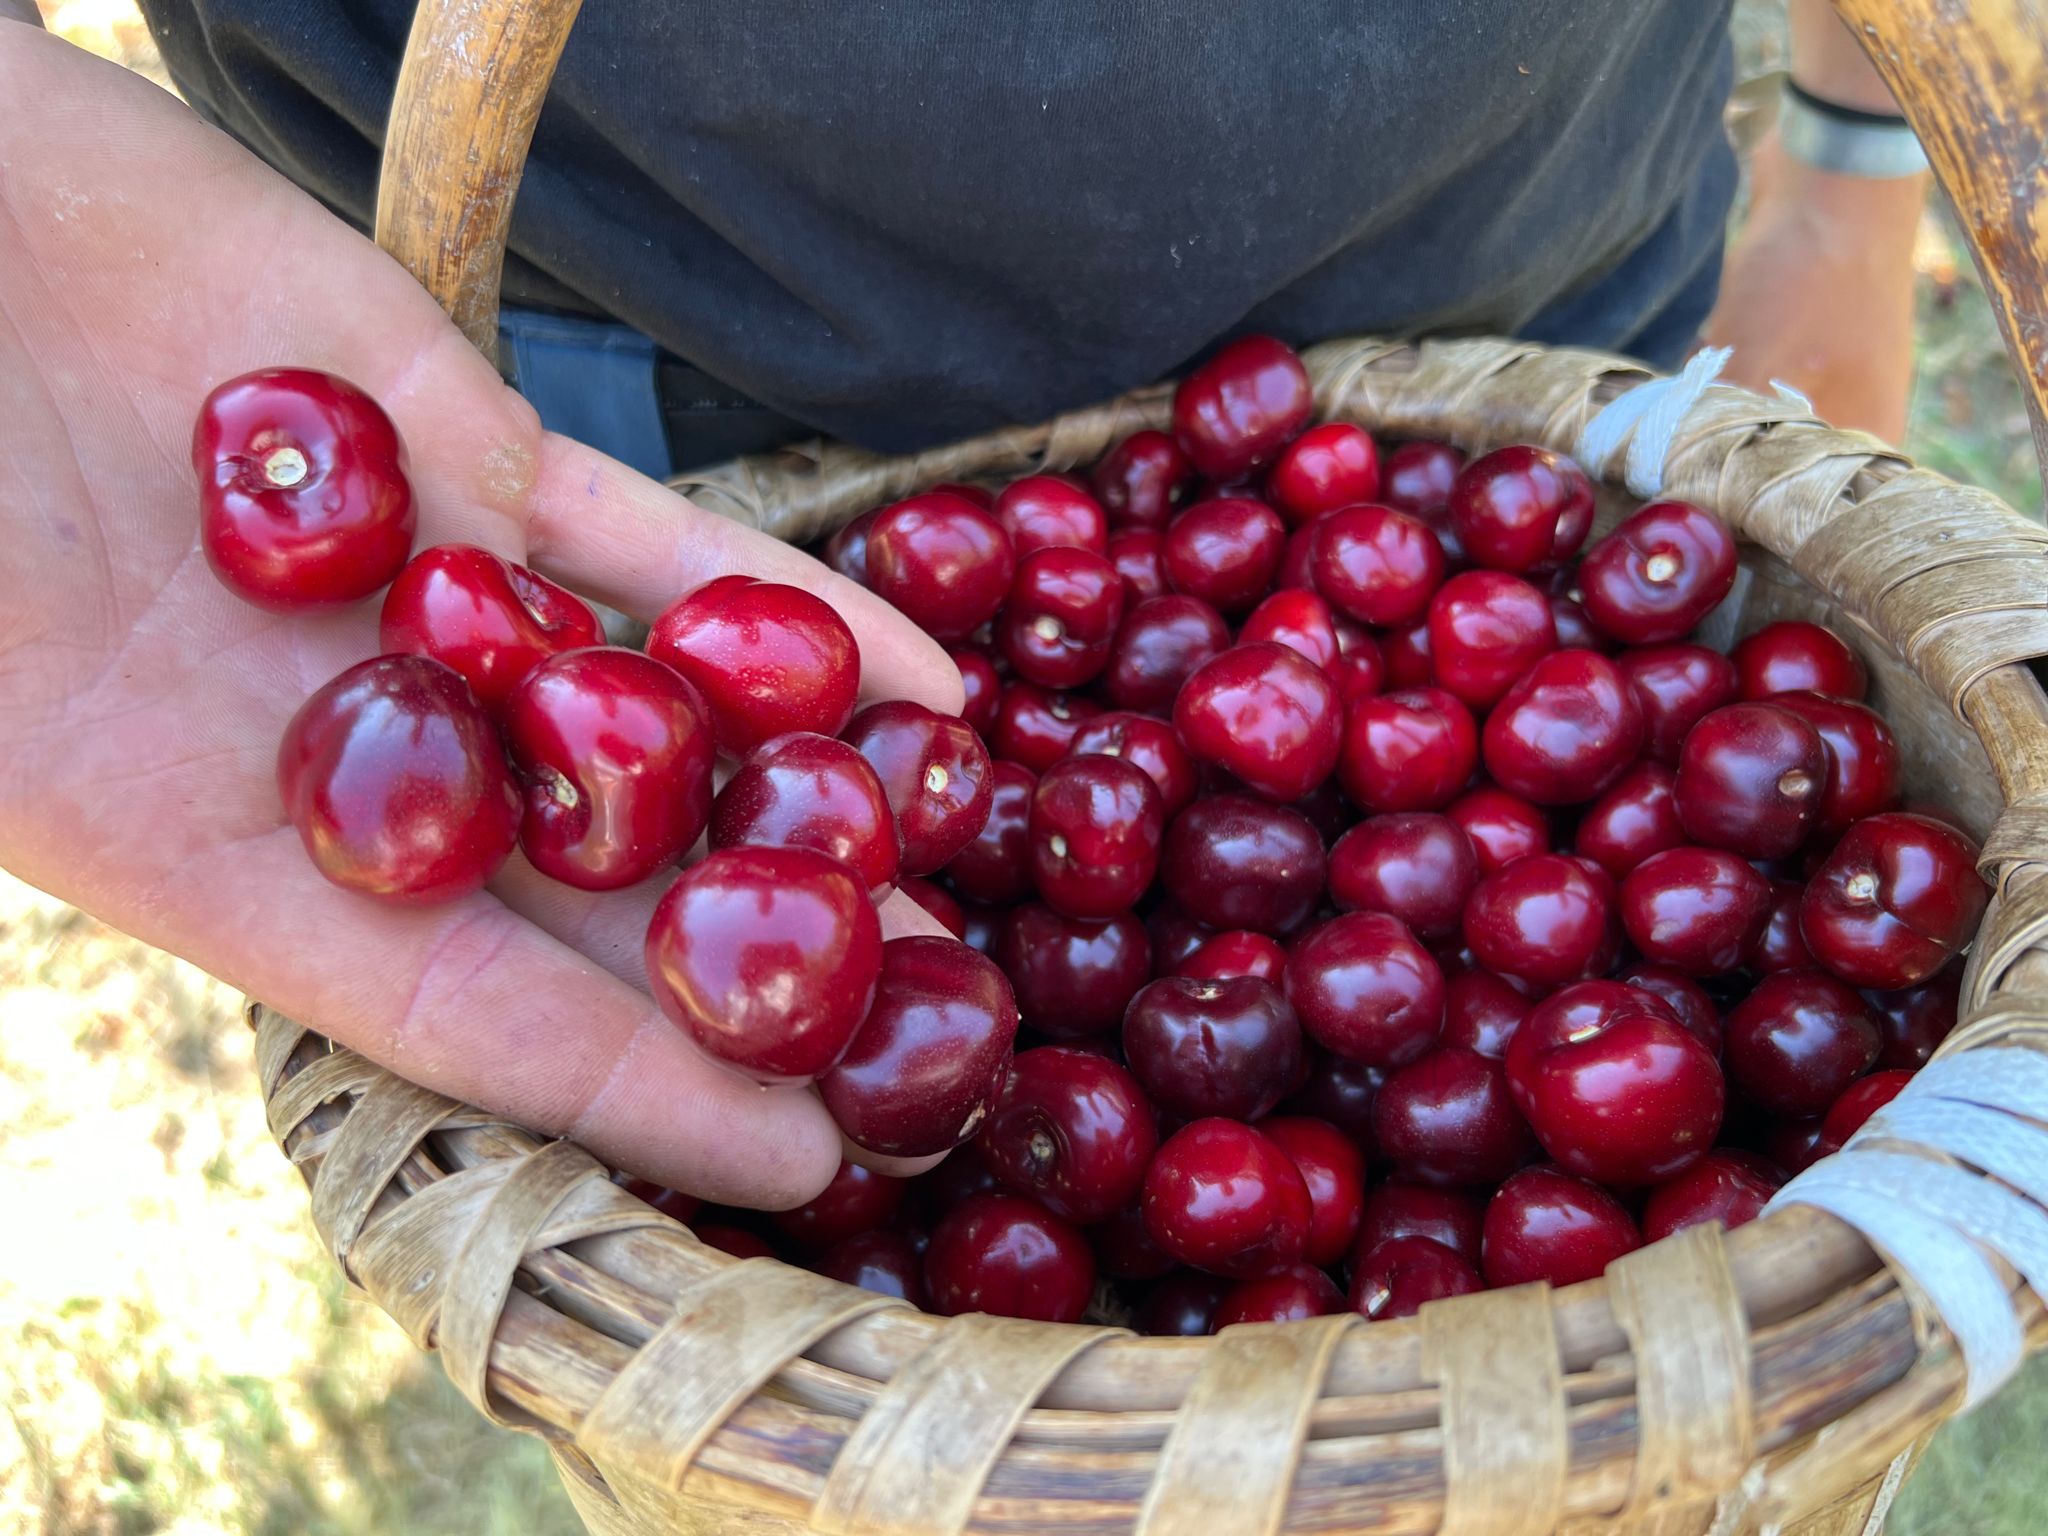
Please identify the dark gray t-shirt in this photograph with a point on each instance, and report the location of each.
(902, 222)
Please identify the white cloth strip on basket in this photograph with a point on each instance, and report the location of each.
(1939, 1219)
(1647, 418)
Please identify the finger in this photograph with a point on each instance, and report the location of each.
(892, 1167)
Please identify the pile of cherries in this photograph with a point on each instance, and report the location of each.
(1351, 879)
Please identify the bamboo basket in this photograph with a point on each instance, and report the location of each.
(1779, 1378)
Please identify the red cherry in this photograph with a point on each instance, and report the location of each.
(1449, 1119)
(981, 684)
(1750, 779)
(942, 560)
(394, 777)
(885, 1262)
(1050, 512)
(1360, 669)
(1286, 1296)
(1792, 656)
(1235, 862)
(1224, 552)
(1142, 480)
(976, 495)
(1236, 411)
(857, 1200)
(1916, 1020)
(1481, 1011)
(1782, 946)
(1327, 467)
(935, 772)
(1301, 621)
(1413, 865)
(1658, 573)
(1544, 1224)
(489, 619)
(1149, 744)
(1404, 654)
(1798, 1040)
(1182, 1306)
(303, 499)
(1094, 835)
(1009, 1257)
(1615, 1090)
(937, 902)
(1576, 632)
(1726, 1187)
(1503, 826)
(1407, 751)
(767, 658)
(1898, 897)
(1365, 989)
(962, 1173)
(805, 791)
(847, 550)
(1175, 935)
(672, 1203)
(1634, 820)
(1485, 630)
(1139, 555)
(1265, 715)
(1297, 561)
(737, 1241)
(1686, 999)
(995, 865)
(1417, 477)
(1859, 1101)
(1862, 755)
(1073, 976)
(1340, 1092)
(1240, 952)
(767, 958)
(1230, 1047)
(1223, 1197)
(1698, 909)
(1677, 687)
(1451, 1217)
(1565, 731)
(1794, 1146)
(1543, 919)
(1395, 1277)
(1062, 614)
(1521, 507)
(1072, 1130)
(1332, 1167)
(1163, 642)
(1376, 565)
(615, 752)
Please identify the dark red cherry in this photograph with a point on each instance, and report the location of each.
(1615, 1090)
(1239, 952)
(1366, 990)
(1285, 1296)
(767, 958)
(1073, 1131)
(1094, 835)
(1360, 671)
(737, 1241)
(1543, 919)
(1898, 897)
(1395, 1277)
(1376, 565)
(805, 791)
(1062, 613)
(936, 774)
(1685, 998)
(1636, 818)
(942, 560)
(1264, 714)
(1009, 1257)
(1565, 731)
(1416, 478)
(1174, 933)
(1404, 653)
(1413, 865)
(1050, 512)
(395, 779)
(1700, 910)
(1139, 556)
(938, 903)
(962, 1173)
(1333, 1168)
(489, 619)
(1750, 779)
(1677, 686)
(1236, 411)
(1413, 750)
(1073, 976)
(1222, 1047)
(1481, 1011)
(1545, 1224)
(1449, 1119)
(1798, 1040)
(1576, 632)
(995, 865)
(1182, 1306)
(1782, 946)
(1503, 826)
(1340, 1092)
(857, 1200)
(1917, 1019)
(303, 498)
(1793, 1146)
(1124, 1250)
(1485, 630)
(976, 495)
(1731, 1188)
(1297, 557)
(1863, 759)
(1301, 621)
(1224, 1197)
(1149, 743)
(1451, 1217)
(1792, 656)
(847, 550)
(1140, 482)
(1859, 1101)
(1521, 507)
(981, 684)
(1224, 552)
(1162, 643)
(768, 659)
(1327, 467)
(614, 752)
(1235, 862)
(885, 1262)
(1659, 573)
(672, 1203)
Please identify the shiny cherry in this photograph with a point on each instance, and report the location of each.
(1503, 826)
(1063, 610)
(1576, 632)
(1235, 412)
(489, 619)
(1412, 750)
(1798, 1040)
(995, 864)
(1365, 989)
(857, 1200)
(1750, 779)
(1635, 819)
(1686, 999)
(1301, 621)
(935, 772)
(1094, 835)
(1050, 512)
(1071, 1129)
(1546, 1224)
(1175, 934)
(1139, 557)
(1235, 862)
(1661, 571)
(1182, 1306)
(1677, 686)
(846, 551)
(1413, 865)
(1486, 629)
(1449, 1119)
(885, 1262)
(303, 498)
(1149, 743)
(1073, 976)
(1360, 671)
(1224, 552)
(1915, 1020)
(1898, 897)
(1404, 654)
(1223, 1197)
(1452, 1217)
(1543, 919)
(1394, 1278)
(1482, 1011)
(768, 659)
(1700, 910)
(1333, 1168)
(1163, 641)
(1859, 1101)
(1264, 714)
(942, 560)
(1009, 1257)
(1327, 467)
(394, 776)
(1782, 947)
(1567, 729)
(1228, 1047)
(1285, 1296)
(1791, 656)
(1416, 478)
(1340, 1092)
(981, 685)
(1521, 507)
(1141, 481)
(1793, 1146)
(1731, 1188)
(807, 791)
(1862, 754)
(1238, 952)
(938, 903)
(1376, 565)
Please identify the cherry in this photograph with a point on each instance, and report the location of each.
(1412, 750)
(1798, 1040)
(1451, 1217)
(1224, 1197)
(1449, 1119)
(1916, 1020)
(1340, 1092)
(1417, 477)
(847, 550)
(767, 658)
(1327, 467)
(1731, 1188)
(936, 774)
(1264, 714)
(1224, 552)
(1575, 631)
(303, 499)
(1566, 730)
(977, 495)
(1061, 616)
(938, 903)
(1094, 835)
(1521, 507)
(1636, 818)
(394, 777)
(885, 1262)
(981, 685)
(1301, 621)
(1175, 935)
(1481, 1011)
(857, 1200)
(767, 958)
(1050, 512)
(1333, 1168)
(962, 1173)
(1365, 989)
(1862, 758)
(1139, 556)
(1485, 630)
(1616, 1090)
(489, 619)
(737, 1241)
(1782, 946)
(1700, 910)
(1793, 1146)
(1859, 1101)
(1404, 656)
(1235, 862)
(1009, 1257)
(1394, 1278)
(806, 791)
(1230, 1047)
(1073, 976)
(1150, 744)
(1677, 687)
(1376, 565)
(1163, 642)
(1072, 1130)
(1360, 670)
(1285, 1296)
(995, 864)
(1236, 411)
(1544, 1224)
(1124, 1250)
(1898, 897)
(1503, 826)
(1543, 919)
(672, 1203)
(981, 926)
(1181, 1306)
(1792, 656)
(1660, 572)
(942, 560)
(1141, 480)
(1686, 999)
(1413, 865)
(1240, 952)
(1750, 779)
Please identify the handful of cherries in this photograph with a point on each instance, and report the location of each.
(1375, 883)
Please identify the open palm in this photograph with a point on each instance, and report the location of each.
(143, 258)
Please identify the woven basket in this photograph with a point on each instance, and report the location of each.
(1777, 1378)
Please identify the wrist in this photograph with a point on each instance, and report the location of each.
(1877, 211)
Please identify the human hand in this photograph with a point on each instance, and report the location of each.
(144, 257)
